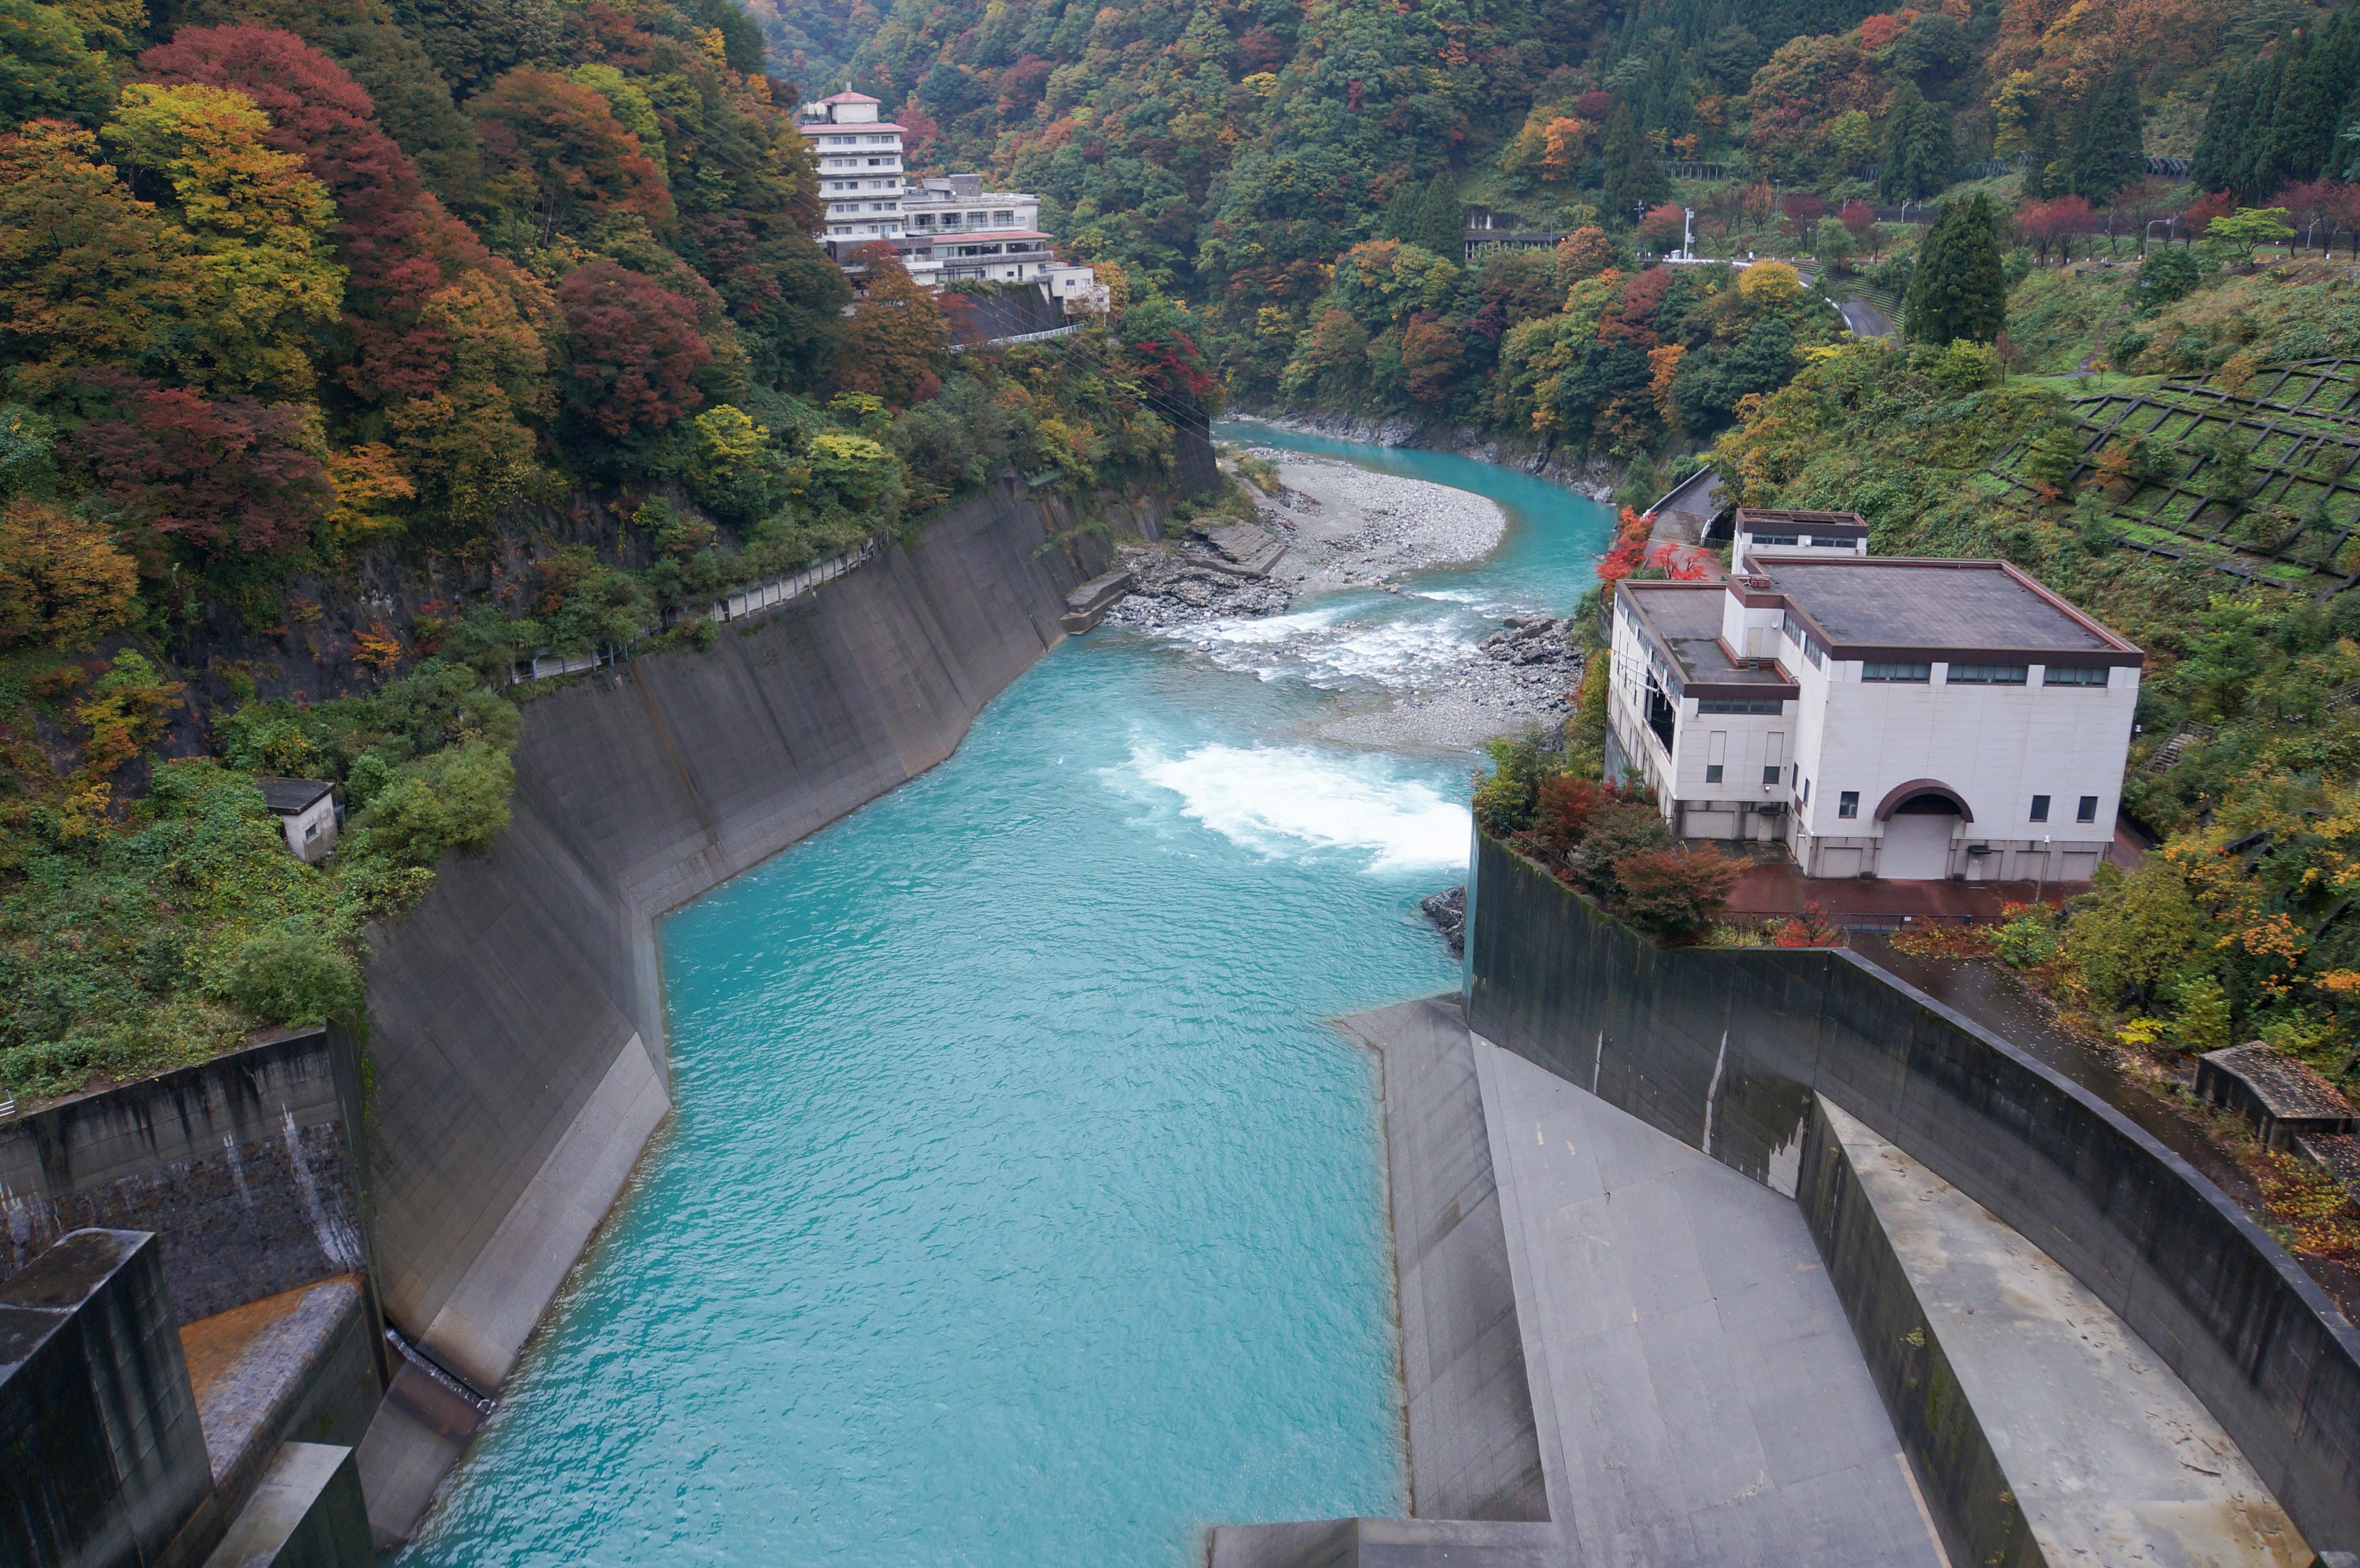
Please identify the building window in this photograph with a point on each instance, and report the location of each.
(1806, 789)
(2073, 675)
(2088, 809)
(1917, 674)
(1770, 772)
(1848, 803)
(1712, 772)
(1004, 218)
(2040, 807)
(1774, 539)
(1715, 705)
(1986, 675)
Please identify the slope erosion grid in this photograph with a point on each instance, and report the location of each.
(1020, 1205)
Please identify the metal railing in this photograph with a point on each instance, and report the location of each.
(755, 597)
(1044, 337)
(733, 604)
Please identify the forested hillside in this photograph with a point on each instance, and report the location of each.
(351, 352)
(1233, 154)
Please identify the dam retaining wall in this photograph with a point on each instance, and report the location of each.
(248, 1167)
(1724, 1048)
(517, 1017)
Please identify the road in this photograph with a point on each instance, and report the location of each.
(1867, 321)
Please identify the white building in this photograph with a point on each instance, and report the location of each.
(1784, 533)
(1882, 717)
(946, 230)
(306, 810)
(861, 177)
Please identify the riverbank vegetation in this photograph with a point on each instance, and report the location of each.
(349, 357)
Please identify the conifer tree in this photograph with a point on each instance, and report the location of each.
(1958, 291)
(1400, 219)
(2225, 119)
(1441, 225)
(1918, 154)
(2110, 148)
(1632, 178)
(2044, 160)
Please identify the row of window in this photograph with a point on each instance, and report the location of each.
(975, 220)
(2084, 811)
(1985, 674)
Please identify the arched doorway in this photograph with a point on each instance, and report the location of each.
(1918, 830)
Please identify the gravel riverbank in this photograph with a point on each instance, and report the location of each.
(1332, 529)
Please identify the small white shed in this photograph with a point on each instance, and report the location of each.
(306, 810)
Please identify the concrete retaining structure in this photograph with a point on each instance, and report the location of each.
(2045, 1430)
(517, 1019)
(1723, 1048)
(248, 1167)
(100, 1459)
(1474, 1451)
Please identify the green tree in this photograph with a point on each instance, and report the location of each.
(2045, 172)
(261, 229)
(45, 67)
(1918, 154)
(1956, 290)
(1633, 179)
(1441, 225)
(2250, 226)
(2109, 147)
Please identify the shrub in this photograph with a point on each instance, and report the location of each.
(1563, 808)
(292, 973)
(1672, 894)
(1506, 797)
(455, 799)
(1618, 831)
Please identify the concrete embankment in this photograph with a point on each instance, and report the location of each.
(517, 1017)
(1725, 1048)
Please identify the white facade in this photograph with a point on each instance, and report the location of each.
(1784, 533)
(860, 176)
(306, 810)
(1912, 760)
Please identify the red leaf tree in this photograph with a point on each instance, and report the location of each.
(234, 474)
(392, 233)
(635, 348)
(560, 149)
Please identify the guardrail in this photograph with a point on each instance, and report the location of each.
(755, 597)
(735, 604)
(1021, 337)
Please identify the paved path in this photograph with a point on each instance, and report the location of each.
(1698, 1394)
(1867, 321)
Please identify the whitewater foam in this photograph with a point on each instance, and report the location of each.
(1292, 802)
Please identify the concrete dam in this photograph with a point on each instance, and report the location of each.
(1696, 1257)
(1752, 1256)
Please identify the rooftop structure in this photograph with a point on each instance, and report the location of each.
(1762, 528)
(1895, 718)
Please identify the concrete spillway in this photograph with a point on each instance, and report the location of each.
(1620, 1351)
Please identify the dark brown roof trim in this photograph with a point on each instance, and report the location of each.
(1743, 692)
(2074, 657)
(1901, 792)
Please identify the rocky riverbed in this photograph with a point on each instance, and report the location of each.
(1231, 591)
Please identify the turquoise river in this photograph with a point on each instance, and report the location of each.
(1020, 1210)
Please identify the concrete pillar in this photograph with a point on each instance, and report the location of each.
(101, 1460)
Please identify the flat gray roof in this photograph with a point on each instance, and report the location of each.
(1686, 619)
(286, 796)
(1935, 606)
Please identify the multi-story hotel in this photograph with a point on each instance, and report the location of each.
(946, 230)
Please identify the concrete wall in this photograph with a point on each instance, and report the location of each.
(101, 1460)
(1980, 1520)
(517, 1022)
(244, 1166)
(1722, 1049)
